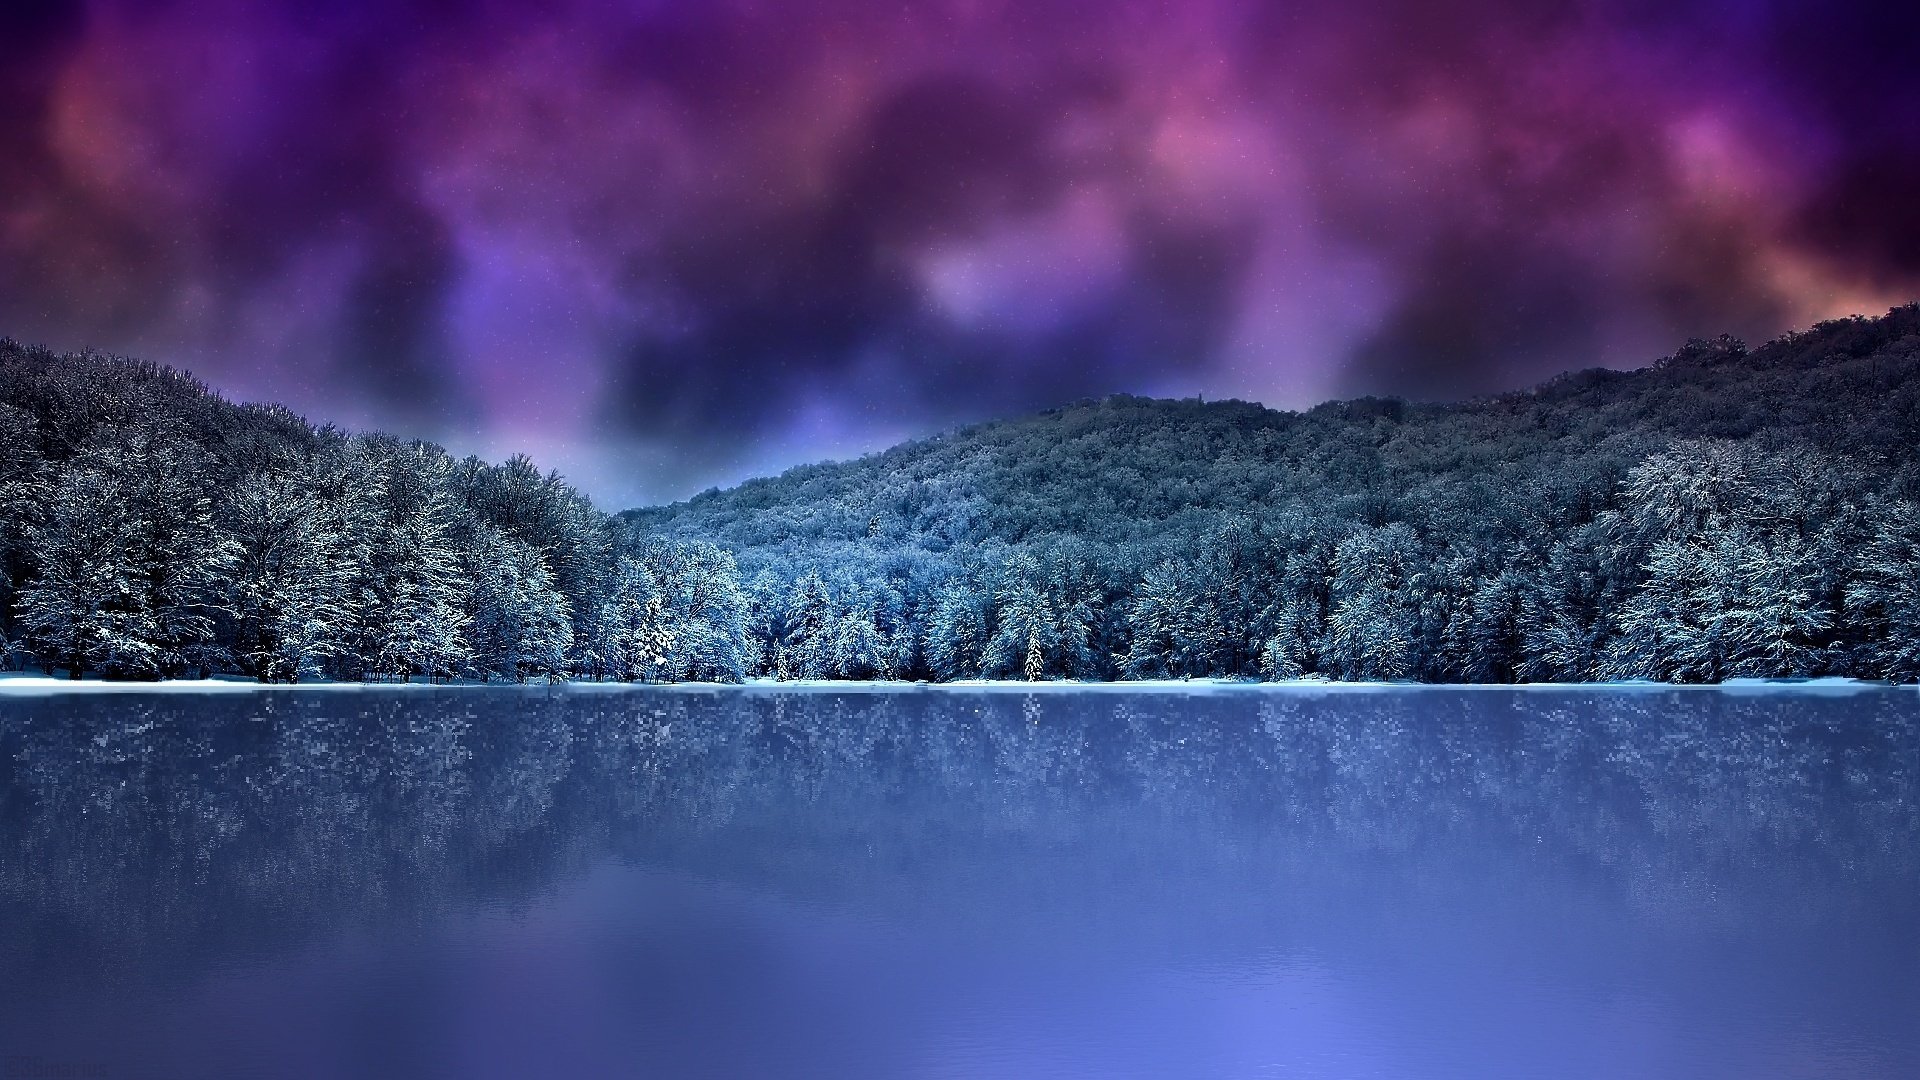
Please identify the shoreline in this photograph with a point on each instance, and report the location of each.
(26, 684)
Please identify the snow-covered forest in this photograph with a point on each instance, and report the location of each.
(1721, 513)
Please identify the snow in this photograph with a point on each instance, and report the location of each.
(31, 683)
(14, 682)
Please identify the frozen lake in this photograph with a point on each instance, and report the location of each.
(1417, 883)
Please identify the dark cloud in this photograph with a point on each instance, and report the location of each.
(828, 300)
(1484, 314)
(1865, 212)
(662, 244)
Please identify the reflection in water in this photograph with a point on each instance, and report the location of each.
(1418, 883)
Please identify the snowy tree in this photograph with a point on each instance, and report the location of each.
(858, 652)
(131, 567)
(414, 621)
(956, 634)
(1774, 623)
(706, 608)
(22, 478)
(635, 641)
(288, 596)
(81, 608)
(1483, 639)
(1371, 634)
(1670, 629)
(1027, 636)
(518, 625)
(765, 623)
(1290, 651)
(1736, 578)
(1566, 608)
(1885, 599)
(1168, 634)
(813, 630)
(1277, 662)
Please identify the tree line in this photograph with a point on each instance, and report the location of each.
(1723, 513)
(154, 530)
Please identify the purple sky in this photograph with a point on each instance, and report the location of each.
(663, 245)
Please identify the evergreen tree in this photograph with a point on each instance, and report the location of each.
(706, 608)
(81, 609)
(813, 630)
(415, 621)
(518, 625)
(1166, 624)
(765, 624)
(1885, 599)
(636, 642)
(956, 634)
(132, 567)
(1027, 636)
(1371, 634)
(288, 596)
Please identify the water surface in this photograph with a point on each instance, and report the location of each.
(669, 883)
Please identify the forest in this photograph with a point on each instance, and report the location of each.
(1724, 512)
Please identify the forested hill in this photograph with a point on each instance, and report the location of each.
(1721, 512)
(151, 529)
(1132, 468)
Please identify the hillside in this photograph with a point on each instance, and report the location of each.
(1510, 538)
(1721, 513)
(151, 529)
(1129, 468)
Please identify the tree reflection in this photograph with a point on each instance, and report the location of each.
(171, 829)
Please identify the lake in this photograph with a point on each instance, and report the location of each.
(665, 883)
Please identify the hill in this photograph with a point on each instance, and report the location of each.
(151, 529)
(1721, 513)
(1522, 536)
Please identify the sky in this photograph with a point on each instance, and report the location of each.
(663, 245)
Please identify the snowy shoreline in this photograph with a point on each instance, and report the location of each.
(22, 683)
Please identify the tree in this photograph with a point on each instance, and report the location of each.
(812, 620)
(131, 567)
(765, 624)
(415, 620)
(1027, 636)
(635, 641)
(1371, 633)
(706, 608)
(956, 634)
(1885, 600)
(518, 625)
(1169, 637)
(81, 608)
(289, 583)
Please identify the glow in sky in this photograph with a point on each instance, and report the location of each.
(662, 245)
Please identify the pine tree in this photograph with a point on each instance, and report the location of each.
(518, 624)
(289, 587)
(22, 491)
(131, 565)
(1885, 598)
(81, 607)
(857, 648)
(955, 634)
(415, 621)
(707, 608)
(812, 620)
(1371, 634)
(765, 624)
(1164, 624)
(1027, 635)
(635, 641)
(1277, 662)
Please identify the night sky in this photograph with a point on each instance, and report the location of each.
(661, 245)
